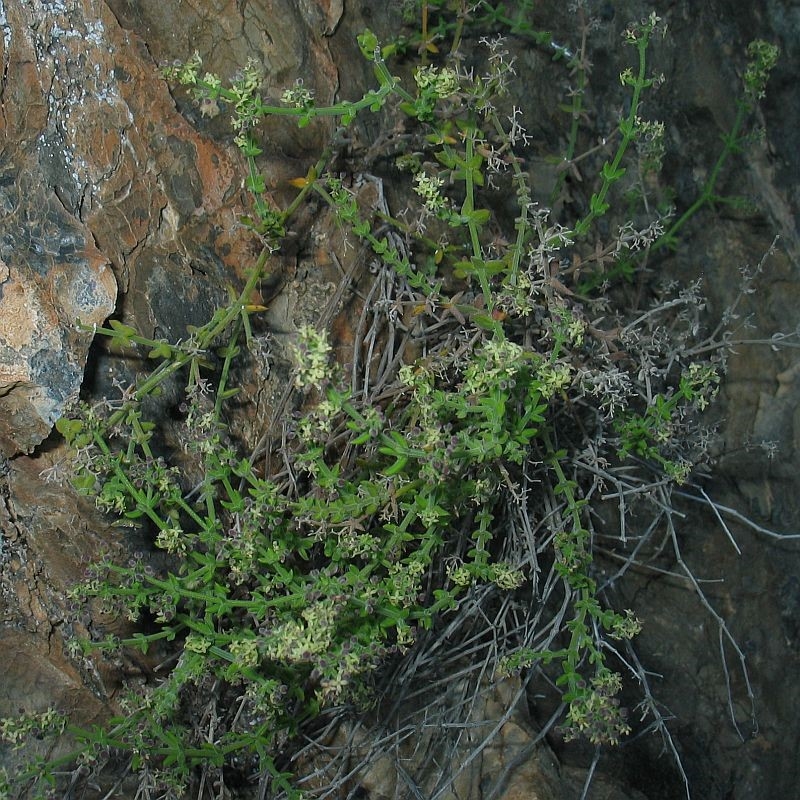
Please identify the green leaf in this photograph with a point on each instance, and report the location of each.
(122, 333)
(161, 350)
(69, 428)
(491, 267)
(255, 184)
(399, 463)
(251, 149)
(84, 483)
(377, 103)
(119, 327)
(610, 174)
(361, 229)
(448, 158)
(367, 43)
(597, 206)
(479, 216)
(562, 679)
(486, 322)
(582, 228)
(627, 128)
(229, 351)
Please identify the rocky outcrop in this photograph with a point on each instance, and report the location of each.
(104, 183)
(43, 346)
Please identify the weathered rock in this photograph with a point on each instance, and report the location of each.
(52, 276)
(42, 349)
(99, 171)
(48, 540)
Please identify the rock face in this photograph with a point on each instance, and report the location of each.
(52, 274)
(47, 538)
(42, 349)
(102, 179)
(115, 195)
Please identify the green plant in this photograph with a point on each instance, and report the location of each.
(763, 58)
(279, 591)
(649, 137)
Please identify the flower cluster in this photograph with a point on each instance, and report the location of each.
(641, 33)
(186, 73)
(555, 377)
(16, 730)
(438, 83)
(700, 383)
(650, 144)
(428, 187)
(596, 713)
(312, 353)
(498, 360)
(763, 57)
(507, 577)
(298, 95)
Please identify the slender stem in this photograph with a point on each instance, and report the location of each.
(469, 205)
(523, 195)
(611, 171)
(424, 43)
(707, 194)
(575, 112)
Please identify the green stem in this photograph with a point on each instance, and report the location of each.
(469, 204)
(575, 111)
(576, 577)
(707, 194)
(523, 194)
(230, 352)
(611, 171)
